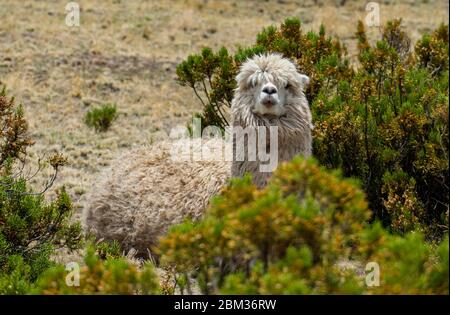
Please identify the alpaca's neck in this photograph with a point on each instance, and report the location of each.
(280, 146)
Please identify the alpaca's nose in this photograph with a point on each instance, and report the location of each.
(269, 89)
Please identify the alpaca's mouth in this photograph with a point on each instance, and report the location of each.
(268, 109)
(268, 103)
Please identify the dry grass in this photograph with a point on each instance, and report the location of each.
(125, 52)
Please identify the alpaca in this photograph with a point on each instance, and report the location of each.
(270, 92)
(144, 192)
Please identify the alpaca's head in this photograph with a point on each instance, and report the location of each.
(271, 84)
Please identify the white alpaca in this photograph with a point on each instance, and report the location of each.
(145, 192)
(270, 92)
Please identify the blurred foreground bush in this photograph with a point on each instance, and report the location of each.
(306, 232)
(112, 275)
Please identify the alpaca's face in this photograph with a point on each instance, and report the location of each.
(272, 82)
(269, 96)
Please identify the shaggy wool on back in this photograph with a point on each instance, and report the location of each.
(144, 192)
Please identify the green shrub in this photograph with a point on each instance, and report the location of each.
(101, 118)
(30, 227)
(383, 121)
(408, 265)
(293, 236)
(388, 126)
(114, 275)
(14, 138)
(432, 50)
(106, 249)
(30, 231)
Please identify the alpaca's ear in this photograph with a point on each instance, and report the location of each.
(304, 79)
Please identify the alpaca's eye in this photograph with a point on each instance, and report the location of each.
(287, 86)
